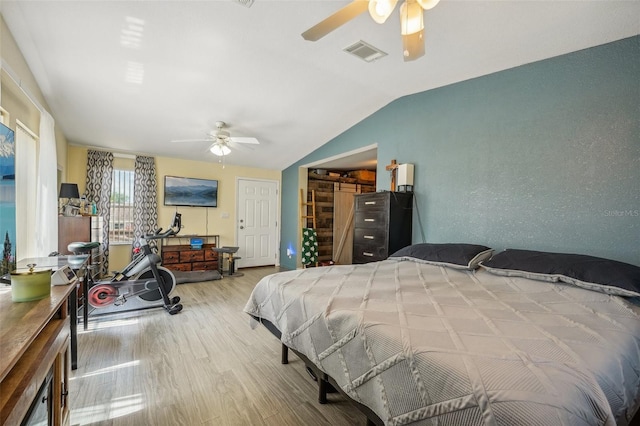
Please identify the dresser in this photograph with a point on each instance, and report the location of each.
(78, 228)
(183, 257)
(382, 225)
(84, 229)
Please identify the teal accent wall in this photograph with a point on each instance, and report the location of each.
(545, 156)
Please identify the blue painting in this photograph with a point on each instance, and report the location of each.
(7, 198)
(180, 191)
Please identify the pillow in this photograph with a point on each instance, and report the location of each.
(593, 273)
(458, 256)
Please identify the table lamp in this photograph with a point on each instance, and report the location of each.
(69, 191)
(405, 177)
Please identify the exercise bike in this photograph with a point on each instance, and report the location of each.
(143, 278)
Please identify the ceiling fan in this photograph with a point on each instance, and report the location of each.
(411, 21)
(222, 141)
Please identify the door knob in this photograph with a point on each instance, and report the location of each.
(241, 227)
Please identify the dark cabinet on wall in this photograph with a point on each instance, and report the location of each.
(382, 225)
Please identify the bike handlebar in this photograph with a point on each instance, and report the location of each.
(159, 235)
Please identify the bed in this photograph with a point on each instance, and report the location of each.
(448, 335)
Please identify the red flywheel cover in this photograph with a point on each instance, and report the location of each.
(102, 295)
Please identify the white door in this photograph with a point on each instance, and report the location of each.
(257, 222)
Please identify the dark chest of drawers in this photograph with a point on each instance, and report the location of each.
(382, 225)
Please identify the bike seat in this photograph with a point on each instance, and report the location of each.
(82, 247)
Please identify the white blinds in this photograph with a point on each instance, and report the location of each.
(26, 189)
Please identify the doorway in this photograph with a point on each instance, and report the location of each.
(257, 222)
(335, 181)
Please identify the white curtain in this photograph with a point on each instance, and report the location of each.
(47, 197)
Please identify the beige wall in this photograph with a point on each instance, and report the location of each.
(21, 97)
(196, 220)
(15, 101)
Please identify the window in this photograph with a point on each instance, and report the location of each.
(121, 219)
(26, 146)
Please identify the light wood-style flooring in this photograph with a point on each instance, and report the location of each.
(203, 366)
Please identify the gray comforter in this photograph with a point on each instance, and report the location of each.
(438, 346)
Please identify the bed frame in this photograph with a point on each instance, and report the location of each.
(327, 384)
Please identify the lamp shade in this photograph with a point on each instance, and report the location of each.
(69, 190)
(380, 10)
(220, 149)
(405, 174)
(411, 17)
(428, 4)
(413, 46)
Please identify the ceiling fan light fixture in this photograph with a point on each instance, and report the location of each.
(413, 46)
(220, 149)
(380, 10)
(428, 4)
(411, 17)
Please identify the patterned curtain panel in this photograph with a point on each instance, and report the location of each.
(145, 201)
(99, 177)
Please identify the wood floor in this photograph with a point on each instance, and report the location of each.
(203, 366)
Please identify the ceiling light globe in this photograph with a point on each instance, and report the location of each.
(411, 17)
(380, 10)
(428, 4)
(220, 150)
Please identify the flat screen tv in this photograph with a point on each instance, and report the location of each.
(192, 192)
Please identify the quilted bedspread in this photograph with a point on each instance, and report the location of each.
(431, 345)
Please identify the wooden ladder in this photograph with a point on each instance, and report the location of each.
(304, 209)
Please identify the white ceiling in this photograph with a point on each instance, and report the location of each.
(191, 63)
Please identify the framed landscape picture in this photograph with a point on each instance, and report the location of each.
(7, 198)
(192, 192)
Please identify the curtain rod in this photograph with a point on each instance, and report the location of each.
(119, 154)
(12, 75)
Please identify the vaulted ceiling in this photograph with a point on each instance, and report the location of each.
(134, 75)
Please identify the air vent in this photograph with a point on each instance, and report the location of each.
(245, 3)
(365, 51)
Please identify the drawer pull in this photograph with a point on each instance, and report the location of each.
(366, 253)
(369, 220)
(368, 237)
(370, 203)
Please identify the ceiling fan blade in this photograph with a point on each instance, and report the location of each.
(341, 17)
(190, 140)
(413, 46)
(240, 147)
(236, 139)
